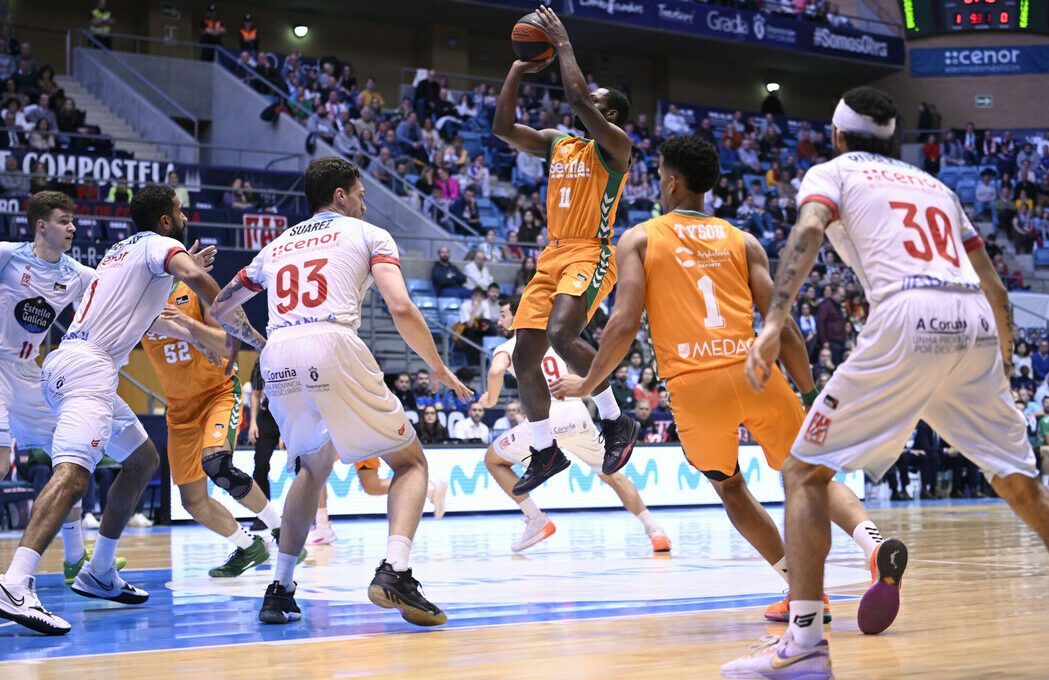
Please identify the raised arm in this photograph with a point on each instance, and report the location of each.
(796, 262)
(793, 352)
(608, 136)
(622, 326)
(996, 294)
(412, 326)
(496, 372)
(504, 125)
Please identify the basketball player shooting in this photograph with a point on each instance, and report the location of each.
(577, 271)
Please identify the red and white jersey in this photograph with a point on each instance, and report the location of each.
(553, 366)
(897, 227)
(319, 270)
(129, 292)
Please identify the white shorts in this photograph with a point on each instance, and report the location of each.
(79, 383)
(925, 355)
(573, 430)
(324, 385)
(24, 416)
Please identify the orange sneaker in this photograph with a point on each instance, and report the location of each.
(660, 542)
(780, 611)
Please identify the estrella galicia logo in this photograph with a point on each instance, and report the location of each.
(35, 315)
(640, 479)
(313, 374)
(467, 483)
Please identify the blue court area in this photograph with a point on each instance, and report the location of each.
(599, 565)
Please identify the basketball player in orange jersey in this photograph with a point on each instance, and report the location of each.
(576, 271)
(372, 484)
(699, 277)
(203, 411)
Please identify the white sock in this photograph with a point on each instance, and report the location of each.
(607, 406)
(322, 517)
(270, 517)
(542, 437)
(529, 508)
(781, 569)
(23, 564)
(398, 552)
(868, 537)
(806, 622)
(646, 519)
(240, 538)
(105, 554)
(286, 570)
(72, 541)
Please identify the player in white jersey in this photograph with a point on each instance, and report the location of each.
(79, 381)
(936, 347)
(574, 432)
(325, 389)
(37, 282)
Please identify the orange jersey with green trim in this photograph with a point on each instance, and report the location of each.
(697, 292)
(583, 191)
(184, 372)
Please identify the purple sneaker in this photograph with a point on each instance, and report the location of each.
(881, 602)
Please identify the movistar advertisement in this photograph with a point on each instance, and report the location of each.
(660, 473)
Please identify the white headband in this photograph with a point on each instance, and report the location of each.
(847, 120)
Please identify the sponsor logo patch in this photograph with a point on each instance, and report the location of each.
(817, 431)
(60, 287)
(182, 300)
(35, 315)
(400, 432)
(95, 442)
(831, 402)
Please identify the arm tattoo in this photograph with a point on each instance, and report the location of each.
(799, 255)
(227, 292)
(239, 327)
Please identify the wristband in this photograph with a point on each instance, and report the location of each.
(809, 398)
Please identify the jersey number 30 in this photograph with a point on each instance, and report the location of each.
(315, 288)
(937, 224)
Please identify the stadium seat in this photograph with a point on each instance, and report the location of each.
(420, 286)
(447, 304)
(1041, 258)
(425, 302)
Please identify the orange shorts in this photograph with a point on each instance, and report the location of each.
(206, 422)
(709, 407)
(578, 267)
(367, 464)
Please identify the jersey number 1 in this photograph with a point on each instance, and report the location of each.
(288, 286)
(713, 318)
(566, 197)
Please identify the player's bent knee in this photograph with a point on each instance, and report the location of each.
(72, 478)
(220, 469)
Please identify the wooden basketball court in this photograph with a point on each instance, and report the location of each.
(590, 602)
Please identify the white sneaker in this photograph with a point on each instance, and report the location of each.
(139, 521)
(536, 529)
(19, 603)
(437, 497)
(89, 522)
(778, 657)
(107, 586)
(321, 534)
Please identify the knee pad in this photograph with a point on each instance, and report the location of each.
(220, 469)
(716, 476)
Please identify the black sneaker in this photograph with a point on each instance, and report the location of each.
(399, 590)
(619, 436)
(542, 466)
(279, 605)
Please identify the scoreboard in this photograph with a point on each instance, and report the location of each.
(922, 18)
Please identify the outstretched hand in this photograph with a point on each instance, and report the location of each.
(442, 375)
(204, 257)
(762, 357)
(552, 26)
(568, 386)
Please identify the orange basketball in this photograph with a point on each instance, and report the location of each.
(529, 41)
